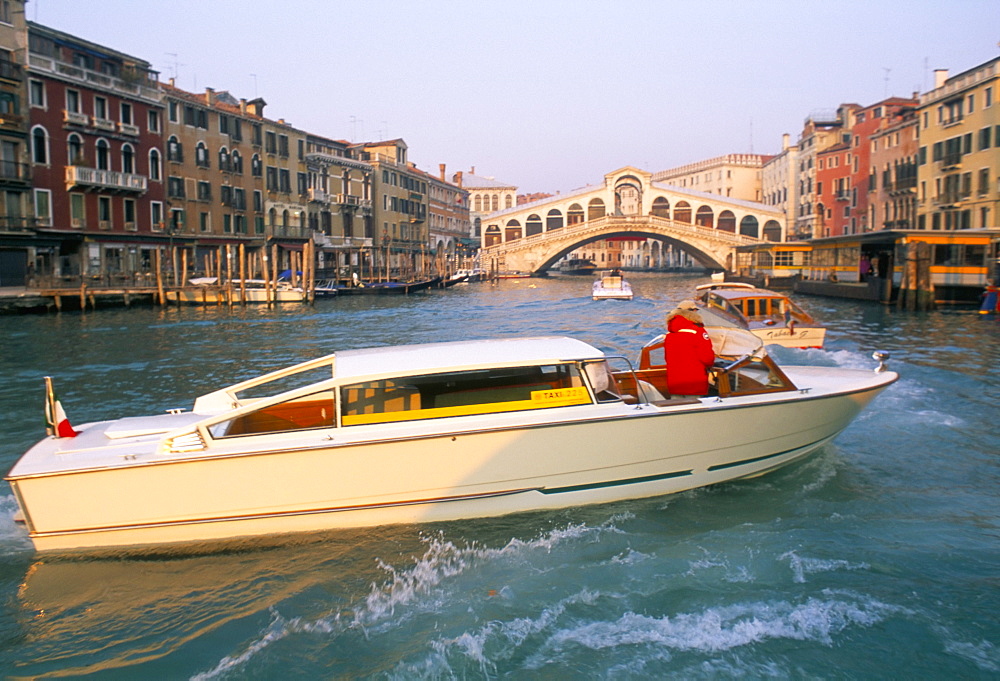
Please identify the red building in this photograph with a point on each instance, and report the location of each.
(836, 199)
(96, 151)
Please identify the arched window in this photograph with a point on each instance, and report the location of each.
(237, 161)
(256, 169)
(533, 225)
(175, 152)
(508, 202)
(103, 155)
(284, 219)
(128, 158)
(553, 220)
(74, 145)
(272, 217)
(224, 159)
(154, 165)
(727, 221)
(479, 203)
(496, 203)
(661, 207)
(201, 155)
(574, 215)
(39, 145)
(705, 217)
(595, 209)
(749, 226)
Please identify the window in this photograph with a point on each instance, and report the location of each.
(258, 201)
(104, 212)
(175, 187)
(43, 207)
(73, 101)
(77, 211)
(256, 169)
(201, 155)
(153, 122)
(984, 138)
(205, 222)
(204, 191)
(283, 146)
(156, 215)
(303, 183)
(155, 169)
(74, 147)
(285, 181)
(226, 195)
(172, 112)
(103, 158)
(100, 108)
(461, 393)
(272, 179)
(39, 145)
(227, 223)
(129, 205)
(255, 134)
(271, 145)
(126, 112)
(239, 198)
(128, 159)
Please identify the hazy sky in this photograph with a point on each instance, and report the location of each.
(547, 95)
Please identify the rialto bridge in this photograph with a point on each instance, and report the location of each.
(533, 237)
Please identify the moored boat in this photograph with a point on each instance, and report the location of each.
(424, 433)
(578, 266)
(611, 285)
(769, 315)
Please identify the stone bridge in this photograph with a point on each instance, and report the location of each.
(709, 227)
(710, 247)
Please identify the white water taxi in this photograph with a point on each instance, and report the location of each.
(611, 285)
(770, 316)
(424, 433)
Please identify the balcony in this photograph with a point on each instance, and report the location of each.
(17, 223)
(75, 118)
(318, 195)
(951, 160)
(10, 70)
(12, 171)
(104, 124)
(132, 83)
(92, 178)
(128, 129)
(348, 200)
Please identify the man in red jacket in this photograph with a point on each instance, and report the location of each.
(688, 351)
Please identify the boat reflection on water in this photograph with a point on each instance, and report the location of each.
(133, 610)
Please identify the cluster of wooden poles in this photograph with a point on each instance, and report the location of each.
(259, 266)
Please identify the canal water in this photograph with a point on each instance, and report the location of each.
(878, 557)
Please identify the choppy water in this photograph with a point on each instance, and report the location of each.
(877, 558)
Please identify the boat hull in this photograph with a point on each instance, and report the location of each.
(447, 469)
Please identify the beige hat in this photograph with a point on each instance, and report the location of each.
(687, 305)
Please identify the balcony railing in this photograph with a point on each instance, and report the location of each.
(75, 117)
(128, 129)
(104, 124)
(14, 171)
(135, 84)
(78, 176)
(318, 195)
(17, 223)
(10, 70)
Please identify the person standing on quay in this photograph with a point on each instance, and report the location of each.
(688, 351)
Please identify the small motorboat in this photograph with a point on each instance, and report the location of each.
(578, 266)
(423, 433)
(611, 285)
(769, 315)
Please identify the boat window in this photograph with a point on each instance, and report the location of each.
(462, 393)
(315, 410)
(602, 381)
(278, 385)
(755, 376)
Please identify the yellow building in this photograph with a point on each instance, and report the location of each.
(959, 159)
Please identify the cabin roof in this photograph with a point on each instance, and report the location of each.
(737, 293)
(476, 354)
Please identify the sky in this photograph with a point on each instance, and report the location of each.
(546, 95)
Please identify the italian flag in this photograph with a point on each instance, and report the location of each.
(56, 422)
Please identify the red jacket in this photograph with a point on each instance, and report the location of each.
(689, 354)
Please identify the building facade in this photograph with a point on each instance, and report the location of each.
(821, 130)
(736, 176)
(959, 158)
(779, 185)
(486, 195)
(448, 223)
(96, 136)
(17, 223)
(892, 193)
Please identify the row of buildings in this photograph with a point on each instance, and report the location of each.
(102, 165)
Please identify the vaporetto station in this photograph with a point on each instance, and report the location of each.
(534, 236)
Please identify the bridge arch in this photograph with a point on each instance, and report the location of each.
(703, 258)
(533, 225)
(705, 217)
(553, 220)
(749, 226)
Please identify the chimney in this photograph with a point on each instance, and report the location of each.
(785, 139)
(472, 170)
(458, 178)
(940, 76)
(256, 107)
(171, 81)
(209, 93)
(441, 169)
(243, 106)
